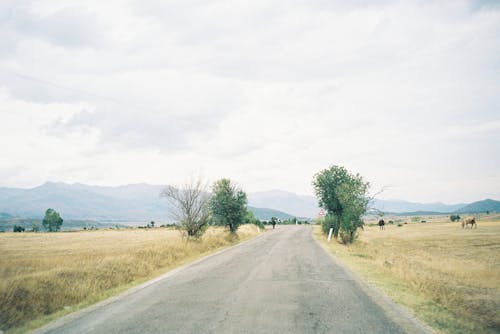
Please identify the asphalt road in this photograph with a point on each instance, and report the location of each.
(281, 282)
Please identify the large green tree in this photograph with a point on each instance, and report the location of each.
(344, 197)
(228, 204)
(52, 221)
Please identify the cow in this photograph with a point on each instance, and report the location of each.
(381, 223)
(469, 220)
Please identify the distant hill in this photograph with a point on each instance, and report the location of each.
(135, 202)
(142, 203)
(398, 206)
(297, 205)
(77, 201)
(267, 214)
(418, 213)
(481, 206)
(4, 215)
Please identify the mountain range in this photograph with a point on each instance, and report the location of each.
(142, 202)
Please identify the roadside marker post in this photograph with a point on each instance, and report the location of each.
(330, 234)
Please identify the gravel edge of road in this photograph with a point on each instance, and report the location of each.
(82, 312)
(401, 315)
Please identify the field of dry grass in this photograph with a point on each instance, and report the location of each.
(42, 274)
(449, 276)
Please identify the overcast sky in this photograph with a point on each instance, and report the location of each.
(266, 93)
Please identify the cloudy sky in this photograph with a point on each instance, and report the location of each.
(407, 93)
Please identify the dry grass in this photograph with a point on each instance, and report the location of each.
(44, 273)
(449, 276)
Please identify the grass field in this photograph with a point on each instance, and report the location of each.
(448, 276)
(45, 275)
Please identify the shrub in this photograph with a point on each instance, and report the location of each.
(17, 228)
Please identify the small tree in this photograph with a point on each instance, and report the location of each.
(18, 228)
(455, 218)
(344, 196)
(228, 204)
(52, 221)
(251, 219)
(189, 206)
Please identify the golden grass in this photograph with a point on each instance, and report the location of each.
(449, 276)
(45, 273)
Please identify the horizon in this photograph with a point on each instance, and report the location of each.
(253, 192)
(405, 94)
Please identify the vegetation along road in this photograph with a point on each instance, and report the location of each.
(280, 282)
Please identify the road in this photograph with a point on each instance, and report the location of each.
(280, 282)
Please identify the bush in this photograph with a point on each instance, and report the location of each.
(35, 227)
(455, 218)
(259, 224)
(326, 223)
(399, 225)
(17, 228)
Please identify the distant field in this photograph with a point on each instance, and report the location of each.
(449, 276)
(42, 274)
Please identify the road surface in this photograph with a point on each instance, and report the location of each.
(281, 282)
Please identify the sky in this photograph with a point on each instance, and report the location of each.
(405, 93)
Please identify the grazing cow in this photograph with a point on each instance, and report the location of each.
(381, 223)
(469, 220)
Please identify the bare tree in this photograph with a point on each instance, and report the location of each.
(188, 206)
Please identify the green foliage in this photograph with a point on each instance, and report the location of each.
(35, 227)
(18, 228)
(415, 219)
(344, 196)
(228, 204)
(251, 219)
(455, 218)
(52, 221)
(327, 223)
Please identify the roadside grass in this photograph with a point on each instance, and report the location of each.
(46, 275)
(448, 276)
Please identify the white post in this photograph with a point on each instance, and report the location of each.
(330, 234)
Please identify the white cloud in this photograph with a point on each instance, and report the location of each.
(406, 93)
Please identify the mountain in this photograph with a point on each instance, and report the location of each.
(398, 206)
(307, 206)
(481, 206)
(296, 205)
(78, 201)
(267, 214)
(142, 202)
(134, 202)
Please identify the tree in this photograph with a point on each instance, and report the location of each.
(344, 197)
(52, 221)
(189, 206)
(228, 204)
(17, 228)
(251, 219)
(455, 218)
